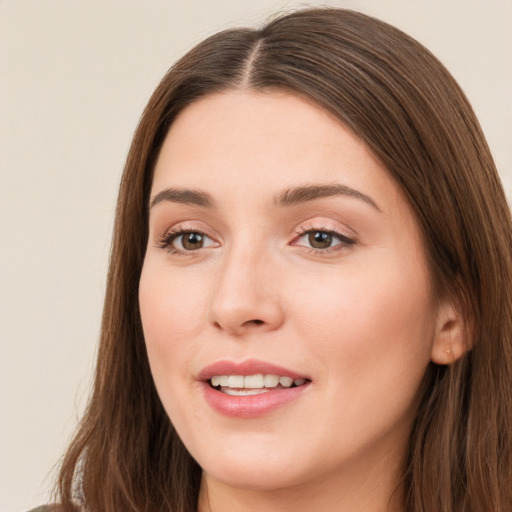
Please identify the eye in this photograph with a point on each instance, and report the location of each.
(323, 240)
(320, 239)
(185, 241)
(190, 241)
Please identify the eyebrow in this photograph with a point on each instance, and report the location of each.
(307, 193)
(290, 197)
(185, 196)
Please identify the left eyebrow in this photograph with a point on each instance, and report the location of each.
(185, 196)
(307, 193)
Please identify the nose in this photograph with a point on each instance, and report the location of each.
(246, 297)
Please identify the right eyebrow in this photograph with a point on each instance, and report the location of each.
(186, 196)
(307, 193)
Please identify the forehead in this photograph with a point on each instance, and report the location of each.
(260, 143)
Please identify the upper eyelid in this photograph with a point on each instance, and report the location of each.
(186, 226)
(330, 226)
(341, 236)
(175, 233)
(335, 232)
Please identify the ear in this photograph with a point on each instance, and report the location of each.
(451, 335)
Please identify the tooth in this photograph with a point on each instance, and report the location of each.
(258, 381)
(236, 381)
(270, 381)
(244, 392)
(253, 381)
(285, 381)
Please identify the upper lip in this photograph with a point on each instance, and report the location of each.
(247, 367)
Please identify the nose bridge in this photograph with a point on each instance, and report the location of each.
(246, 292)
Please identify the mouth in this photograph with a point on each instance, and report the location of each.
(251, 388)
(246, 385)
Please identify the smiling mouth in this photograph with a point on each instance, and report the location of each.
(244, 385)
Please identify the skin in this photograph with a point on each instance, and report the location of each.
(359, 319)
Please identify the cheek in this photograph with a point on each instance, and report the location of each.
(374, 318)
(171, 318)
(370, 334)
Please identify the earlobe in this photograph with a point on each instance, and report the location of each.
(450, 340)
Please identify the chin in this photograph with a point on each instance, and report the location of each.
(255, 478)
(255, 470)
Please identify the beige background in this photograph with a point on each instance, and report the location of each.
(74, 77)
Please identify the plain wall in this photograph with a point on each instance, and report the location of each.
(74, 78)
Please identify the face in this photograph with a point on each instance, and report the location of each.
(285, 300)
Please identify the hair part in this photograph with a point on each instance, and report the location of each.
(396, 97)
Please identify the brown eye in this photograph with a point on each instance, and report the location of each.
(181, 241)
(320, 239)
(323, 241)
(191, 241)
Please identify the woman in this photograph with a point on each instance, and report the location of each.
(308, 302)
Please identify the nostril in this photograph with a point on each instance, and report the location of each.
(247, 324)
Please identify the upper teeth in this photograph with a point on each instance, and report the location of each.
(254, 381)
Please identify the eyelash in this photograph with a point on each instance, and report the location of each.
(166, 241)
(344, 241)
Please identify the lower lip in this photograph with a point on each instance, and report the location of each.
(250, 406)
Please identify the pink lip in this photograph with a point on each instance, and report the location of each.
(249, 406)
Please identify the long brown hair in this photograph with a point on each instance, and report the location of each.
(397, 97)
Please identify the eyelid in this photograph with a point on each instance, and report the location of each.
(344, 239)
(175, 231)
(326, 226)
